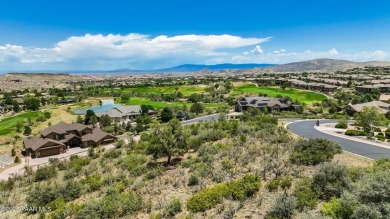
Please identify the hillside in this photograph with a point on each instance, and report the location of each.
(320, 65)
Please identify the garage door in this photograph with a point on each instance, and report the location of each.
(49, 152)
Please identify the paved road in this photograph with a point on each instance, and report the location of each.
(306, 129)
(201, 119)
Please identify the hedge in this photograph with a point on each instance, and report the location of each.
(355, 133)
(240, 189)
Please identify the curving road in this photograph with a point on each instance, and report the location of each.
(306, 129)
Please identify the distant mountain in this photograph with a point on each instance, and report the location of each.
(194, 68)
(321, 65)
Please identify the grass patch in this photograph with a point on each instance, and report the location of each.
(307, 97)
(184, 89)
(161, 104)
(8, 125)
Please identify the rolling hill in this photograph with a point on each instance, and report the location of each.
(320, 65)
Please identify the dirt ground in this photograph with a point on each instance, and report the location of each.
(353, 160)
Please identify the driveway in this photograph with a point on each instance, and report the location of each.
(306, 129)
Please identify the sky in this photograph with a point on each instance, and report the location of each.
(151, 34)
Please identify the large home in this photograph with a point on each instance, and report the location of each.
(56, 139)
(122, 114)
(67, 100)
(277, 104)
(352, 109)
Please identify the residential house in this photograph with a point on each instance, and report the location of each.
(122, 114)
(67, 101)
(352, 109)
(277, 104)
(56, 139)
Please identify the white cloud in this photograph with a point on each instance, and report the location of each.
(140, 51)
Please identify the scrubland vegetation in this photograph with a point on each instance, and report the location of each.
(220, 169)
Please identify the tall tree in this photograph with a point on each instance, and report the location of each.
(32, 103)
(15, 106)
(105, 121)
(168, 140)
(125, 97)
(166, 114)
(370, 117)
(197, 108)
(88, 117)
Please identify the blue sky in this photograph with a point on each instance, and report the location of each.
(64, 35)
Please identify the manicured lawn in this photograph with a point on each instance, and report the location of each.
(184, 89)
(158, 104)
(8, 125)
(308, 97)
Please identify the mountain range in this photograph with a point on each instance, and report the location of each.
(316, 65)
(321, 65)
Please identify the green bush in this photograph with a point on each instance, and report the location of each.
(314, 151)
(355, 133)
(306, 197)
(272, 185)
(341, 125)
(380, 134)
(330, 180)
(193, 180)
(387, 133)
(45, 173)
(240, 189)
(173, 208)
(376, 129)
(283, 207)
(338, 208)
(111, 206)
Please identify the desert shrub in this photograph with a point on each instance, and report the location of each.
(380, 137)
(45, 173)
(94, 182)
(314, 151)
(173, 208)
(355, 133)
(195, 142)
(202, 169)
(272, 185)
(193, 180)
(338, 208)
(376, 129)
(113, 154)
(283, 207)
(135, 164)
(41, 195)
(240, 189)
(387, 133)
(111, 206)
(306, 197)
(330, 180)
(153, 173)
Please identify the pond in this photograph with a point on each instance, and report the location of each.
(106, 105)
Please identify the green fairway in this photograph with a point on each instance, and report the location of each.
(158, 104)
(184, 89)
(307, 97)
(8, 125)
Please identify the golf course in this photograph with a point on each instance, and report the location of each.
(304, 96)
